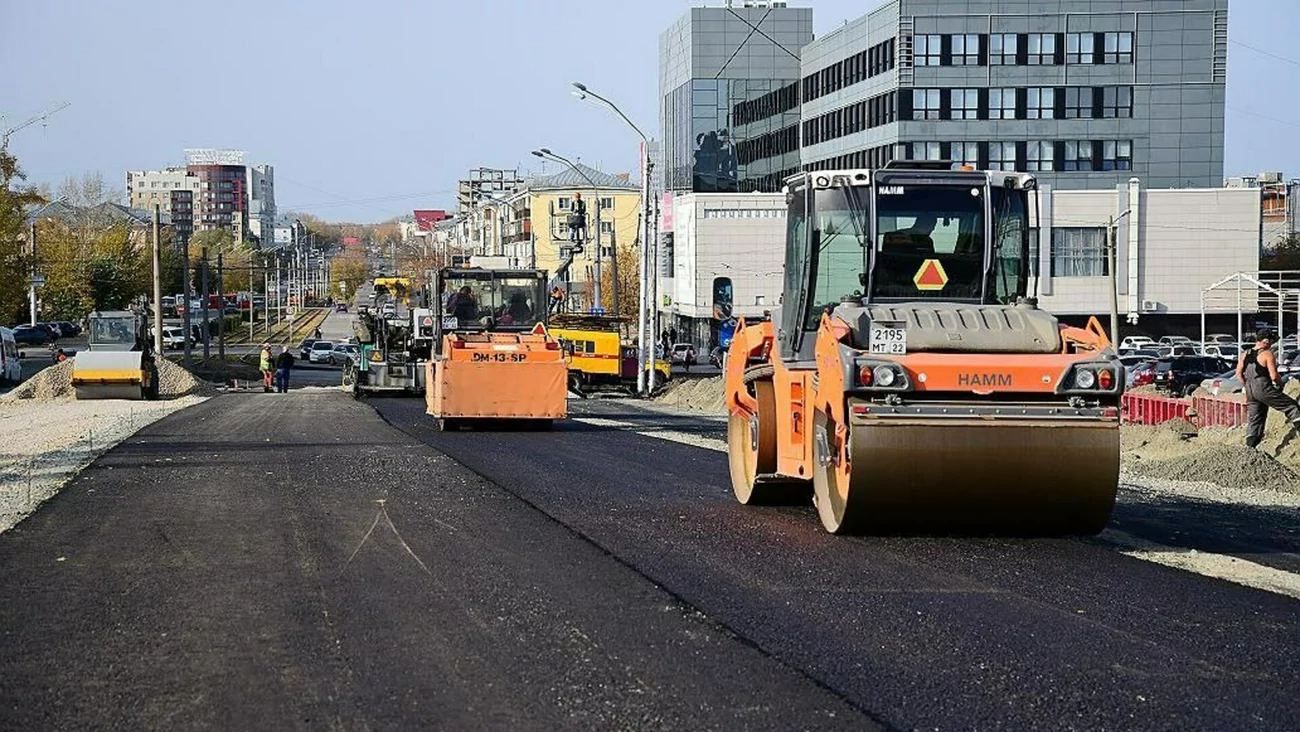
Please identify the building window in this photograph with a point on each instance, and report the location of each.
(607, 202)
(1002, 156)
(1038, 156)
(926, 151)
(1078, 102)
(1119, 48)
(1041, 104)
(1117, 101)
(1002, 49)
(965, 104)
(1079, 48)
(1002, 103)
(966, 153)
(1079, 252)
(925, 104)
(966, 49)
(925, 51)
(607, 227)
(1078, 155)
(1042, 49)
(562, 203)
(1117, 155)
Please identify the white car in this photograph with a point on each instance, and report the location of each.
(11, 370)
(320, 352)
(1134, 343)
(173, 337)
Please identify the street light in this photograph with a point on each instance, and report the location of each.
(597, 301)
(647, 318)
(35, 279)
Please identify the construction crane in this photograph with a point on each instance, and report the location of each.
(4, 144)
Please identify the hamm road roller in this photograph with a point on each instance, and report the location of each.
(909, 381)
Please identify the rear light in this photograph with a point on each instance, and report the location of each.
(866, 376)
(1105, 379)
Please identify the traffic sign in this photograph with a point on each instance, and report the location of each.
(38, 280)
(596, 311)
(931, 276)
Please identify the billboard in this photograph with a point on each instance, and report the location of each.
(209, 156)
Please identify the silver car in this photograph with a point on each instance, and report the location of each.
(342, 353)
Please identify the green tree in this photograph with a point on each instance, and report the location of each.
(1284, 256)
(15, 198)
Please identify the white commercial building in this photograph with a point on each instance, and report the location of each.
(260, 184)
(722, 255)
(1171, 244)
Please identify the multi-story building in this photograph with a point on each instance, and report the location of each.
(215, 190)
(728, 79)
(1084, 94)
(173, 190)
(533, 222)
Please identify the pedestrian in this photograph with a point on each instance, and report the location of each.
(1257, 372)
(266, 362)
(283, 364)
(316, 333)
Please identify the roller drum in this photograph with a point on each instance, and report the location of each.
(982, 476)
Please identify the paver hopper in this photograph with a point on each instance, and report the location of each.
(119, 361)
(909, 382)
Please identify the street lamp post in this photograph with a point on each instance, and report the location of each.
(597, 301)
(648, 316)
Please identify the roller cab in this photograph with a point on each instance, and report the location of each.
(909, 383)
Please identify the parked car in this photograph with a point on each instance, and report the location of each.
(683, 354)
(1225, 383)
(1175, 340)
(320, 352)
(340, 307)
(173, 337)
(32, 335)
(1227, 351)
(68, 328)
(1180, 375)
(11, 369)
(1133, 343)
(1141, 374)
(304, 348)
(342, 353)
(1224, 338)
(54, 329)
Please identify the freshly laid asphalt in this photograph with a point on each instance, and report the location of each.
(304, 561)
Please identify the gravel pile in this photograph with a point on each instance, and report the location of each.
(174, 381)
(54, 383)
(1233, 466)
(701, 395)
(49, 384)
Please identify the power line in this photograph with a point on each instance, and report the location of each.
(1270, 54)
(1251, 113)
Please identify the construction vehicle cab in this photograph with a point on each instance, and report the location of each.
(493, 357)
(908, 380)
(118, 362)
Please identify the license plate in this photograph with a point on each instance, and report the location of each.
(888, 339)
(450, 323)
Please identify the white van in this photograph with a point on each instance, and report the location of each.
(11, 370)
(173, 337)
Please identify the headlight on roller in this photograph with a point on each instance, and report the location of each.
(1085, 379)
(885, 376)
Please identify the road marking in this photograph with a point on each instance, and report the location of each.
(684, 438)
(1219, 566)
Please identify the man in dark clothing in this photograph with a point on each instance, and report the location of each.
(463, 306)
(283, 365)
(1257, 372)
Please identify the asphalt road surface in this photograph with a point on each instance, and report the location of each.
(280, 562)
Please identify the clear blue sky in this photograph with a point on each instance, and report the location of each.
(370, 109)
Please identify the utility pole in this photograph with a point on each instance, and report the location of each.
(185, 297)
(206, 298)
(221, 299)
(157, 281)
(31, 290)
(1111, 286)
(597, 301)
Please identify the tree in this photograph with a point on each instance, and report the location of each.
(1285, 256)
(15, 264)
(351, 269)
(629, 283)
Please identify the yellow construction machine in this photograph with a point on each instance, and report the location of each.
(909, 381)
(119, 362)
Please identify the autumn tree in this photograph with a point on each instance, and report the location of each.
(15, 197)
(629, 283)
